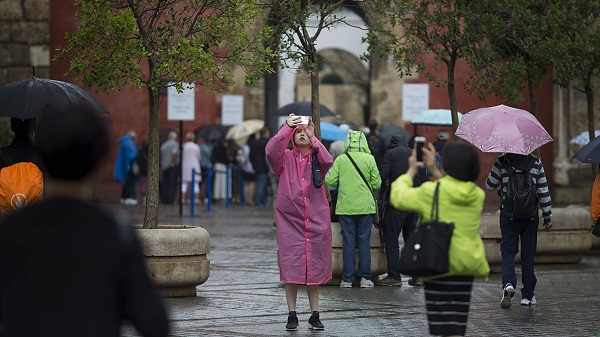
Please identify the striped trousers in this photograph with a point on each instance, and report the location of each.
(447, 300)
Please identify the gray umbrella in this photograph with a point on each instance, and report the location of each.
(27, 98)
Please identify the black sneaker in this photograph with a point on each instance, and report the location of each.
(314, 322)
(292, 324)
(414, 281)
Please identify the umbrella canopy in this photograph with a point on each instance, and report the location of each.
(387, 130)
(439, 117)
(241, 131)
(212, 132)
(583, 138)
(330, 131)
(302, 108)
(27, 98)
(590, 153)
(502, 129)
(352, 125)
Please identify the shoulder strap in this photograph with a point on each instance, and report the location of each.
(434, 205)
(6, 157)
(359, 172)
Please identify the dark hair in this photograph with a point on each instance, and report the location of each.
(71, 143)
(461, 161)
(373, 125)
(22, 127)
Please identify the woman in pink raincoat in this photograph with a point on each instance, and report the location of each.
(302, 215)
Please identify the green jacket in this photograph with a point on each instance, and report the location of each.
(354, 196)
(459, 202)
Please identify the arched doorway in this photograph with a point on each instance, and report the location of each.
(382, 88)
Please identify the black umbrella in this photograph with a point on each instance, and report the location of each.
(27, 98)
(590, 153)
(302, 108)
(212, 132)
(388, 130)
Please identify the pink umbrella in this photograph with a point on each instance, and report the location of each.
(502, 129)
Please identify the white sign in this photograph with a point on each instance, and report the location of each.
(181, 106)
(232, 109)
(415, 99)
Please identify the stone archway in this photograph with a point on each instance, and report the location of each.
(383, 100)
(344, 84)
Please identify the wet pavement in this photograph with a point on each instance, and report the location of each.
(243, 295)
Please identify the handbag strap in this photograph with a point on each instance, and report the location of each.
(434, 205)
(359, 172)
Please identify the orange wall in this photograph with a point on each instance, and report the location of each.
(128, 107)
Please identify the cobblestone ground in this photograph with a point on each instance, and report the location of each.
(243, 295)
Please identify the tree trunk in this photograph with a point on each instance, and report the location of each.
(589, 94)
(314, 89)
(152, 199)
(533, 105)
(452, 92)
(532, 97)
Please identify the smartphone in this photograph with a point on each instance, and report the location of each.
(419, 143)
(304, 120)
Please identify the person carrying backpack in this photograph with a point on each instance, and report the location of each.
(523, 186)
(21, 179)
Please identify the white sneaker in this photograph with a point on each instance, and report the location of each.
(364, 283)
(529, 302)
(131, 201)
(507, 294)
(345, 284)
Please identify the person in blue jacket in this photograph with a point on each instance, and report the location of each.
(125, 167)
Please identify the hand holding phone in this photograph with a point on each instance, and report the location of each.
(419, 143)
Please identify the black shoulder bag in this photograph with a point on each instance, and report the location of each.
(376, 215)
(425, 251)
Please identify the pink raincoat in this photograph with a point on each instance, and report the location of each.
(301, 211)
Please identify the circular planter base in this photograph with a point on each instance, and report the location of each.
(176, 257)
(378, 259)
(568, 240)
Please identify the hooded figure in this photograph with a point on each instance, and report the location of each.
(354, 196)
(302, 217)
(355, 205)
(298, 200)
(394, 222)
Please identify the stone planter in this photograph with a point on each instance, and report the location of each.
(176, 257)
(378, 260)
(568, 240)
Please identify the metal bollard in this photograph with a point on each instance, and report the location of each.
(208, 189)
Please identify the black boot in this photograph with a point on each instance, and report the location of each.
(315, 322)
(292, 323)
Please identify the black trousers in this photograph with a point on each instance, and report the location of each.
(128, 191)
(168, 185)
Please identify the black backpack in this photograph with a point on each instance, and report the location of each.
(520, 200)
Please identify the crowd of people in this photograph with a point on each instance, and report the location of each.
(304, 173)
(238, 172)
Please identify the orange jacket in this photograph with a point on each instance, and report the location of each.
(595, 202)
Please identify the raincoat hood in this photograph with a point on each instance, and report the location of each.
(463, 192)
(356, 141)
(397, 140)
(294, 131)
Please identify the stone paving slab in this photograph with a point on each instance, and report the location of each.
(243, 295)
